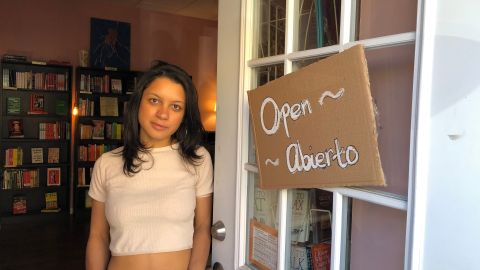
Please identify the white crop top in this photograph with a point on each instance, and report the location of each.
(152, 211)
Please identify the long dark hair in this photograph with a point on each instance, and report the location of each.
(188, 135)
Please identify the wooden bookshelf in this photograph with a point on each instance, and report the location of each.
(35, 101)
(101, 98)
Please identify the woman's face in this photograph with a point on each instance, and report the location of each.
(161, 112)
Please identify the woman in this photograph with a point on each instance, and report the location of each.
(151, 206)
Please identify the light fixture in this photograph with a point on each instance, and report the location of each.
(75, 110)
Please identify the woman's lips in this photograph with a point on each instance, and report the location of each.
(158, 126)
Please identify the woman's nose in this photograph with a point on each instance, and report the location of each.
(162, 112)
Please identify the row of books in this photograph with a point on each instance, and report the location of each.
(55, 130)
(35, 80)
(108, 106)
(100, 84)
(93, 151)
(19, 204)
(314, 256)
(37, 105)
(13, 157)
(82, 177)
(99, 130)
(20, 178)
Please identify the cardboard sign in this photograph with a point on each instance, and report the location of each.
(316, 127)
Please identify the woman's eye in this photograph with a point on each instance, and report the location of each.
(153, 100)
(176, 107)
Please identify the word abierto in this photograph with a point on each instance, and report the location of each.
(321, 160)
(293, 112)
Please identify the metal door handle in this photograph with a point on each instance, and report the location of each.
(218, 231)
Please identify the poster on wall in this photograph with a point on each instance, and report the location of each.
(316, 127)
(109, 44)
(263, 243)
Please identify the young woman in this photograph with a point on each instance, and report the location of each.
(152, 198)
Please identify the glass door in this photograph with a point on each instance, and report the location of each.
(334, 228)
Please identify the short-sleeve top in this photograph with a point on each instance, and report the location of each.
(153, 210)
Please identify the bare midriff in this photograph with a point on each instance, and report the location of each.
(177, 260)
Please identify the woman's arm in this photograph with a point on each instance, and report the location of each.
(201, 235)
(98, 254)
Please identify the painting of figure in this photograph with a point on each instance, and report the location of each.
(109, 44)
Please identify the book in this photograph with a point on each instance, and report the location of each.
(98, 132)
(300, 216)
(53, 155)
(19, 204)
(116, 86)
(88, 200)
(300, 258)
(320, 256)
(37, 155)
(60, 107)
(13, 105)
(53, 176)
(37, 104)
(15, 128)
(51, 200)
(108, 106)
(13, 157)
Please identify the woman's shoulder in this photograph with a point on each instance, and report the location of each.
(112, 155)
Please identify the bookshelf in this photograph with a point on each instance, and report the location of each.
(101, 97)
(35, 138)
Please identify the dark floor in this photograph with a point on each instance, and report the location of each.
(53, 241)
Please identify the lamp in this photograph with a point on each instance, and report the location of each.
(75, 110)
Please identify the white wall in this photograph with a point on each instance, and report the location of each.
(452, 194)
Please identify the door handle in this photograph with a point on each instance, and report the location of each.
(218, 231)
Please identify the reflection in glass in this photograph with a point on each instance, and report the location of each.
(310, 228)
(268, 73)
(262, 215)
(319, 23)
(270, 15)
(303, 63)
(391, 83)
(377, 237)
(261, 76)
(377, 18)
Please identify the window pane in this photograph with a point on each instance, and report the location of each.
(303, 63)
(310, 228)
(318, 23)
(377, 18)
(377, 237)
(261, 76)
(391, 83)
(270, 19)
(263, 210)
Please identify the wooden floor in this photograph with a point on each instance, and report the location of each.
(43, 242)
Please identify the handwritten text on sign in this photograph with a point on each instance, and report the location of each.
(305, 162)
(315, 127)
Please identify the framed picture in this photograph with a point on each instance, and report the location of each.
(15, 128)
(109, 44)
(53, 176)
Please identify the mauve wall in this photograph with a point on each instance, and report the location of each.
(58, 29)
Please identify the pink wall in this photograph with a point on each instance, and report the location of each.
(57, 30)
(378, 233)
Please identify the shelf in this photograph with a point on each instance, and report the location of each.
(36, 165)
(9, 218)
(37, 91)
(49, 116)
(47, 88)
(33, 140)
(33, 189)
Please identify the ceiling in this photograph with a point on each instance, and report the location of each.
(202, 9)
